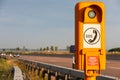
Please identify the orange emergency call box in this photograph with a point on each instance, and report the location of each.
(90, 52)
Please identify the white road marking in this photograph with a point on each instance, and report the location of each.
(114, 67)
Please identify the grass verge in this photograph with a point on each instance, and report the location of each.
(5, 66)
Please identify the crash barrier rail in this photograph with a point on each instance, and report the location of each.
(17, 73)
(58, 72)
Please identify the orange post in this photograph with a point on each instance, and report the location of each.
(90, 77)
(90, 52)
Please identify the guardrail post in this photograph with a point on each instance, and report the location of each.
(38, 71)
(49, 75)
(28, 67)
(31, 68)
(35, 68)
(43, 74)
(68, 77)
(57, 77)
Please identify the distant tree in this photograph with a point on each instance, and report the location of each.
(17, 48)
(56, 48)
(47, 48)
(52, 48)
(41, 49)
(114, 50)
(44, 49)
(3, 49)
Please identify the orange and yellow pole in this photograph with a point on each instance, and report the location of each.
(90, 54)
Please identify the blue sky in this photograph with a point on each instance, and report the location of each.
(41, 23)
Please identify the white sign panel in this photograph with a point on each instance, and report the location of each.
(92, 36)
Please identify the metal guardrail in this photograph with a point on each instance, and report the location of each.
(58, 72)
(17, 73)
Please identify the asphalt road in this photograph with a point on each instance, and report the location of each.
(112, 68)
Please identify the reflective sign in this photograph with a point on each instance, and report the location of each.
(92, 35)
(92, 61)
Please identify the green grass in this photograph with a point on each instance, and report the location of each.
(4, 69)
(6, 65)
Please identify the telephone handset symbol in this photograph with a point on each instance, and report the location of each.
(95, 37)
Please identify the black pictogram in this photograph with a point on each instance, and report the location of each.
(91, 36)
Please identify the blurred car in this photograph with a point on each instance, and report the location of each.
(16, 55)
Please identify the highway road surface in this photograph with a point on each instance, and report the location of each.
(113, 66)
